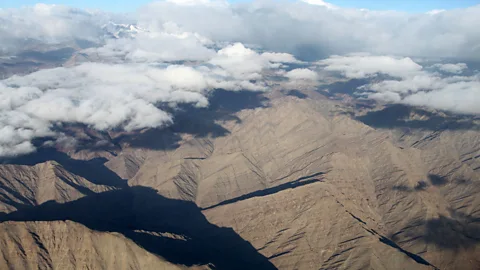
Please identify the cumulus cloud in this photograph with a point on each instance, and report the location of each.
(459, 97)
(319, 3)
(302, 74)
(121, 96)
(166, 42)
(451, 68)
(280, 58)
(410, 83)
(42, 24)
(310, 29)
(363, 65)
(177, 51)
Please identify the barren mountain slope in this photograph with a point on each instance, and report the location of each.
(308, 228)
(69, 245)
(422, 195)
(310, 182)
(172, 229)
(22, 185)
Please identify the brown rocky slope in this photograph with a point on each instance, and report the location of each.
(309, 182)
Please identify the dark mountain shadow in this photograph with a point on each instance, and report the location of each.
(303, 181)
(351, 86)
(199, 122)
(154, 139)
(297, 94)
(20, 203)
(48, 56)
(230, 102)
(413, 256)
(144, 216)
(343, 87)
(85, 44)
(93, 170)
(397, 116)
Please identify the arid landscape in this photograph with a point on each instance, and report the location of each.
(158, 145)
(314, 187)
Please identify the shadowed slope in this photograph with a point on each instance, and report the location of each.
(173, 229)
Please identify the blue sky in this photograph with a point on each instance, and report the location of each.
(129, 5)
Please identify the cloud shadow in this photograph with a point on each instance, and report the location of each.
(399, 116)
(437, 180)
(455, 232)
(420, 186)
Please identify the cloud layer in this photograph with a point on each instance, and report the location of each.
(129, 66)
(438, 86)
(124, 96)
(309, 31)
(30, 27)
(317, 31)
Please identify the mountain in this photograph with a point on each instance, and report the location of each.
(116, 30)
(287, 180)
(25, 186)
(37, 55)
(285, 174)
(69, 245)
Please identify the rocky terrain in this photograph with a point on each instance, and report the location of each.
(69, 245)
(287, 179)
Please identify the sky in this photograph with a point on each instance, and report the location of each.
(129, 5)
(406, 5)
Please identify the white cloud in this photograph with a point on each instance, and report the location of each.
(31, 27)
(302, 74)
(319, 3)
(198, 2)
(365, 66)
(166, 42)
(206, 39)
(17, 129)
(313, 31)
(242, 62)
(459, 97)
(120, 96)
(413, 84)
(451, 68)
(435, 11)
(280, 58)
(306, 30)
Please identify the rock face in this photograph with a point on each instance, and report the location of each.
(309, 182)
(22, 186)
(69, 245)
(172, 229)
(361, 191)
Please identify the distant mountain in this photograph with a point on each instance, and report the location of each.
(114, 30)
